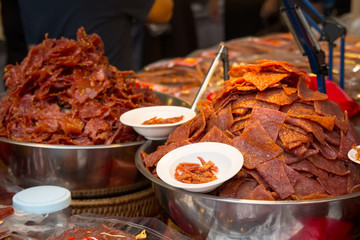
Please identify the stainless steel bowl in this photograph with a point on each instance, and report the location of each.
(73, 167)
(211, 217)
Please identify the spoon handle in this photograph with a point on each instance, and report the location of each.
(222, 54)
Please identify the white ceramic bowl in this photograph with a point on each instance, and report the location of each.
(136, 117)
(228, 159)
(352, 155)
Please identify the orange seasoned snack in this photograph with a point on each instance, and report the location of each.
(195, 173)
(294, 140)
(357, 155)
(100, 233)
(156, 120)
(66, 92)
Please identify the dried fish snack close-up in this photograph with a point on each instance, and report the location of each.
(294, 140)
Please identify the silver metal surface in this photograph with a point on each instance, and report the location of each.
(73, 167)
(211, 217)
(208, 76)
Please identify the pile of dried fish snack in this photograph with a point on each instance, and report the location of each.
(294, 140)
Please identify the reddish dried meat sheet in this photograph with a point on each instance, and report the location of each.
(260, 193)
(306, 94)
(245, 189)
(303, 186)
(292, 137)
(307, 166)
(330, 166)
(354, 175)
(263, 80)
(329, 108)
(244, 101)
(276, 96)
(328, 151)
(307, 186)
(259, 179)
(293, 142)
(222, 119)
(151, 159)
(256, 150)
(239, 126)
(271, 120)
(288, 158)
(216, 135)
(65, 92)
(333, 137)
(289, 90)
(240, 111)
(334, 185)
(308, 126)
(191, 130)
(274, 174)
(230, 188)
(305, 111)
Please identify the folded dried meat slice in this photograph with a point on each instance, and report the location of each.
(354, 175)
(259, 179)
(306, 94)
(230, 188)
(303, 186)
(308, 126)
(244, 101)
(329, 108)
(333, 137)
(276, 96)
(151, 159)
(260, 193)
(307, 166)
(271, 120)
(274, 174)
(245, 189)
(307, 186)
(328, 151)
(222, 119)
(334, 184)
(292, 136)
(190, 130)
(263, 80)
(256, 149)
(216, 135)
(300, 110)
(288, 158)
(332, 166)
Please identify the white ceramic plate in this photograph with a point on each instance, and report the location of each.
(137, 116)
(228, 159)
(352, 155)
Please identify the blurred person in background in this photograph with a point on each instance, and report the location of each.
(16, 48)
(177, 38)
(112, 20)
(248, 17)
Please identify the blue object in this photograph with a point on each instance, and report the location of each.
(298, 14)
(42, 199)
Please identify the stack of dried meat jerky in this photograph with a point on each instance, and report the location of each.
(294, 140)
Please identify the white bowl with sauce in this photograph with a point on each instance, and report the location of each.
(136, 117)
(352, 154)
(229, 160)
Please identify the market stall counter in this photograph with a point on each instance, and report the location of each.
(179, 80)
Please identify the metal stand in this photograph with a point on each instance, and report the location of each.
(298, 15)
(224, 57)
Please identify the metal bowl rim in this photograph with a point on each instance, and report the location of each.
(70, 147)
(139, 164)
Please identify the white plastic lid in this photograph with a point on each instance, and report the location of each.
(42, 199)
